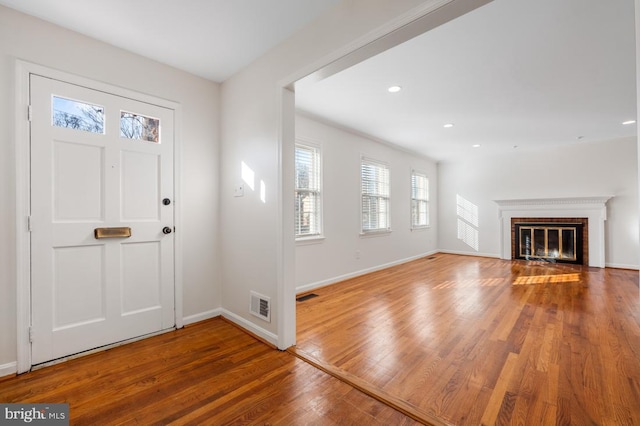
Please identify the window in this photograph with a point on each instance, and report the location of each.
(136, 126)
(308, 197)
(375, 196)
(77, 115)
(419, 200)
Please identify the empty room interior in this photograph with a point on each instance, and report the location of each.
(321, 212)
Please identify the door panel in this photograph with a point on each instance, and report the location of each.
(140, 189)
(90, 170)
(78, 286)
(141, 284)
(77, 182)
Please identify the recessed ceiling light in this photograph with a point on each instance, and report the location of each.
(448, 125)
(394, 89)
(477, 145)
(629, 122)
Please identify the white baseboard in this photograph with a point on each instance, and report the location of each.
(8, 369)
(470, 253)
(251, 327)
(236, 319)
(202, 316)
(622, 266)
(308, 287)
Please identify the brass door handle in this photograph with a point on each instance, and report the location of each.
(114, 232)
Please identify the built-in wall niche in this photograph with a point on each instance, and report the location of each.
(592, 209)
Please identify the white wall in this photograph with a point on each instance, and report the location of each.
(33, 40)
(333, 258)
(585, 169)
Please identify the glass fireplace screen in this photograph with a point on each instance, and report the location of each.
(548, 242)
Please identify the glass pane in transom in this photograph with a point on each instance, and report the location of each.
(137, 126)
(72, 114)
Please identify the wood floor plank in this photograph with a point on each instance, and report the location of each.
(498, 393)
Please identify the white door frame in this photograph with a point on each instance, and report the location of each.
(23, 205)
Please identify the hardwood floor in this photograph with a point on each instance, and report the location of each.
(446, 340)
(467, 340)
(210, 373)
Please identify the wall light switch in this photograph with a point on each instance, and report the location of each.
(238, 191)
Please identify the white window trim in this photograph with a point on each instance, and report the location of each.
(379, 231)
(411, 224)
(319, 237)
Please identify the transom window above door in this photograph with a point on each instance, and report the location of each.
(72, 114)
(137, 126)
(89, 117)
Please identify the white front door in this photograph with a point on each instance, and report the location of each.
(101, 165)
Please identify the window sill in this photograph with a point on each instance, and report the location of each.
(316, 239)
(420, 228)
(381, 233)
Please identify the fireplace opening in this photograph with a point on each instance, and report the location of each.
(549, 240)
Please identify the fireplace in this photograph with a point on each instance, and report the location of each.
(550, 239)
(590, 211)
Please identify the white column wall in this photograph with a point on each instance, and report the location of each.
(254, 237)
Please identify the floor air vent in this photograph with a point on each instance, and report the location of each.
(260, 306)
(306, 297)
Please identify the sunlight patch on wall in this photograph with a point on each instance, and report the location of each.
(263, 192)
(248, 175)
(467, 222)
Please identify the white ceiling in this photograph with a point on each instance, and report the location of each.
(210, 38)
(513, 73)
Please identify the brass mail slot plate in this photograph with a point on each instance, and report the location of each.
(123, 232)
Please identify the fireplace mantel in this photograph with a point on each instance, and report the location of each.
(593, 208)
(593, 202)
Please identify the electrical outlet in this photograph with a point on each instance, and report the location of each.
(238, 191)
(357, 254)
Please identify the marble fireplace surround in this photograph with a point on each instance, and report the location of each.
(593, 208)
